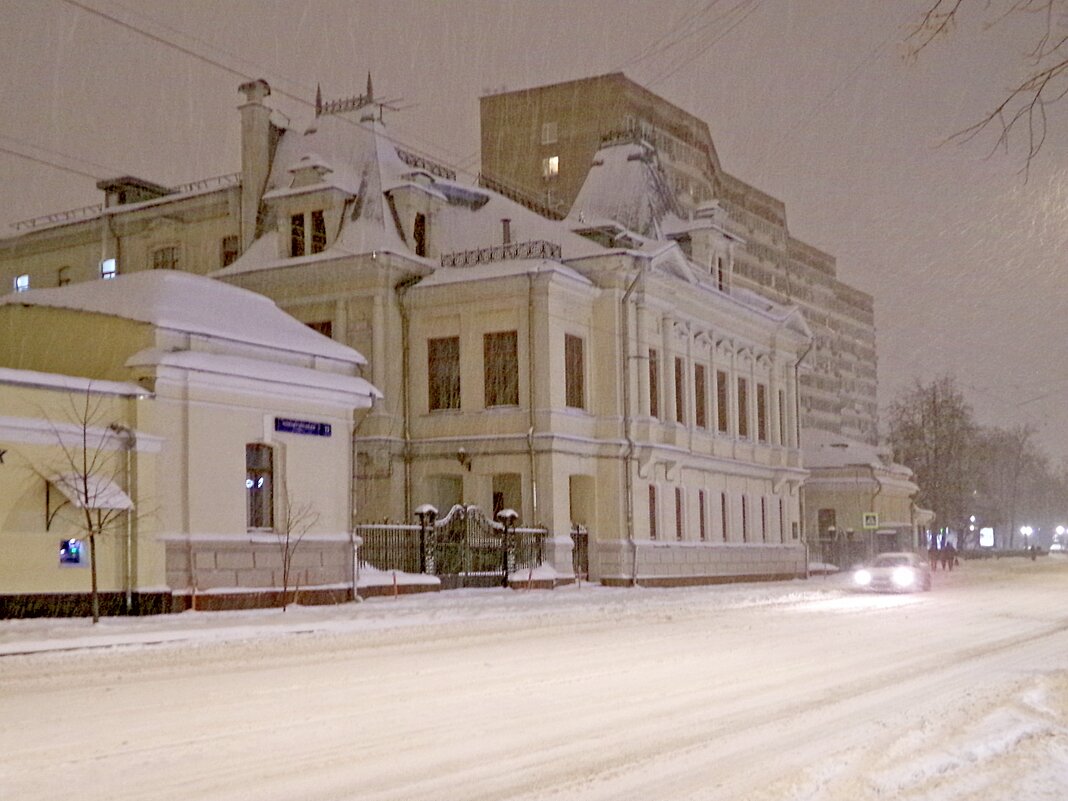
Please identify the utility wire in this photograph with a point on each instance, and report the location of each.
(52, 164)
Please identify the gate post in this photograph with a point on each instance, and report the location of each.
(507, 518)
(426, 514)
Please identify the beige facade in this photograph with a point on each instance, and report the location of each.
(601, 380)
(541, 143)
(214, 388)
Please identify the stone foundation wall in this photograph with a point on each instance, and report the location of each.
(681, 564)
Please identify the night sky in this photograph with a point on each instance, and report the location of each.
(812, 101)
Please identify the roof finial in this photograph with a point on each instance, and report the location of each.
(370, 89)
(318, 100)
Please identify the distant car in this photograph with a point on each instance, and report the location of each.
(894, 572)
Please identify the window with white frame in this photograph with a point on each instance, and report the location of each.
(22, 282)
(548, 133)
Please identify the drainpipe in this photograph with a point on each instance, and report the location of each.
(627, 459)
(530, 398)
(402, 289)
(797, 429)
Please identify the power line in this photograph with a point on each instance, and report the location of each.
(52, 164)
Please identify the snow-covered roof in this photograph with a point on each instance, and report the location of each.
(193, 304)
(626, 185)
(499, 269)
(350, 388)
(70, 383)
(823, 449)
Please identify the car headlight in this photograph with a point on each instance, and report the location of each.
(903, 577)
(862, 578)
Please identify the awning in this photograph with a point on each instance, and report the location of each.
(103, 493)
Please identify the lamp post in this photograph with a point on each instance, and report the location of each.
(507, 518)
(427, 514)
(1027, 531)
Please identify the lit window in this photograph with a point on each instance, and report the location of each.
(501, 354)
(550, 167)
(108, 269)
(548, 133)
(574, 372)
(165, 258)
(259, 485)
(22, 282)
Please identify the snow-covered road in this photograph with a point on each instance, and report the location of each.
(796, 690)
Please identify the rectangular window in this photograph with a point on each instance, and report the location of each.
(724, 514)
(702, 514)
(109, 268)
(826, 523)
(550, 167)
(745, 519)
(782, 521)
(743, 407)
(680, 392)
(419, 234)
(22, 282)
(229, 250)
(762, 413)
(721, 274)
(678, 513)
(443, 373)
(296, 235)
(783, 439)
(722, 406)
(548, 133)
(652, 512)
(574, 372)
(654, 384)
(763, 518)
(165, 258)
(259, 485)
(318, 232)
(501, 362)
(700, 396)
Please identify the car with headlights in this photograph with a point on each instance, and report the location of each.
(894, 572)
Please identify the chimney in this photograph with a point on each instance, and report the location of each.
(255, 155)
(506, 225)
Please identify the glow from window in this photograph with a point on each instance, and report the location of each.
(22, 282)
(550, 167)
(108, 269)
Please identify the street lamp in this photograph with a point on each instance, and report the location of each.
(508, 518)
(427, 514)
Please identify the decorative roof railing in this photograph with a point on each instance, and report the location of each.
(535, 204)
(89, 212)
(72, 215)
(535, 249)
(420, 163)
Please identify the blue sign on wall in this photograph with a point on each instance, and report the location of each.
(301, 427)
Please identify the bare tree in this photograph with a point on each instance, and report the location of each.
(1006, 456)
(933, 433)
(1046, 79)
(89, 472)
(297, 520)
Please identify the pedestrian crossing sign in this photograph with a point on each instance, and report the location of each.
(871, 520)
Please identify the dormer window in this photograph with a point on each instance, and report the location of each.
(299, 244)
(318, 231)
(296, 235)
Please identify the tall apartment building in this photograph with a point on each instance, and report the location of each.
(540, 145)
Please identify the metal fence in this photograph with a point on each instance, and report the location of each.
(464, 548)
